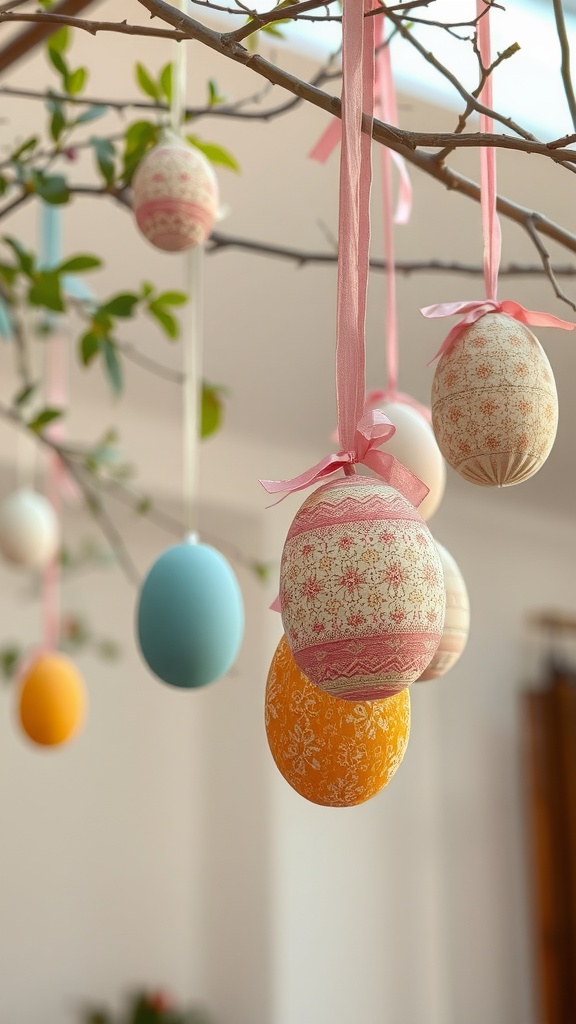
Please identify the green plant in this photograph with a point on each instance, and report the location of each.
(148, 1008)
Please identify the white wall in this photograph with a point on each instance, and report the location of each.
(163, 848)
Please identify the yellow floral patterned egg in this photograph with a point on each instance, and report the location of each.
(332, 752)
(494, 403)
(456, 622)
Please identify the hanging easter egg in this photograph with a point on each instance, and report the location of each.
(175, 197)
(456, 621)
(415, 446)
(333, 752)
(29, 533)
(190, 616)
(361, 589)
(52, 700)
(494, 402)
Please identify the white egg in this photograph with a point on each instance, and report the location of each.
(414, 445)
(29, 533)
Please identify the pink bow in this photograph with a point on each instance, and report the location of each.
(373, 429)
(475, 309)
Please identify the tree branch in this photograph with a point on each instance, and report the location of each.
(547, 264)
(219, 242)
(106, 523)
(565, 64)
(93, 27)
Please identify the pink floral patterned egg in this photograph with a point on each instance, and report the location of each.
(361, 590)
(456, 622)
(494, 403)
(175, 197)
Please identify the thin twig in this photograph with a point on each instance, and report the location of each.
(106, 523)
(565, 64)
(92, 27)
(547, 263)
(130, 352)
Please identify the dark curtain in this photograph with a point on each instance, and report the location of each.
(550, 729)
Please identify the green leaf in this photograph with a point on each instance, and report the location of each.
(106, 158)
(168, 323)
(91, 114)
(165, 81)
(58, 62)
(60, 41)
(108, 649)
(138, 134)
(214, 95)
(112, 365)
(171, 299)
(216, 154)
(25, 259)
(139, 138)
(8, 273)
(43, 418)
(76, 81)
(272, 30)
(89, 347)
(24, 395)
(9, 658)
(51, 188)
(212, 410)
(144, 505)
(25, 148)
(146, 83)
(122, 304)
(3, 185)
(57, 122)
(77, 263)
(45, 290)
(262, 570)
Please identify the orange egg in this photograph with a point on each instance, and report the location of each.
(52, 701)
(333, 752)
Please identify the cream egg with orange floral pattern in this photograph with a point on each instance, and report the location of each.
(494, 403)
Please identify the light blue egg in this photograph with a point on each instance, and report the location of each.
(190, 616)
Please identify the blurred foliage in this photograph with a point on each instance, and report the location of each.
(148, 1008)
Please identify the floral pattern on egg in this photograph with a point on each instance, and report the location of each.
(361, 590)
(494, 403)
(175, 197)
(332, 752)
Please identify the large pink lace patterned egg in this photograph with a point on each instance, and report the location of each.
(494, 403)
(175, 197)
(361, 590)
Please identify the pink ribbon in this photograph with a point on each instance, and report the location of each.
(473, 310)
(383, 91)
(373, 429)
(359, 433)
